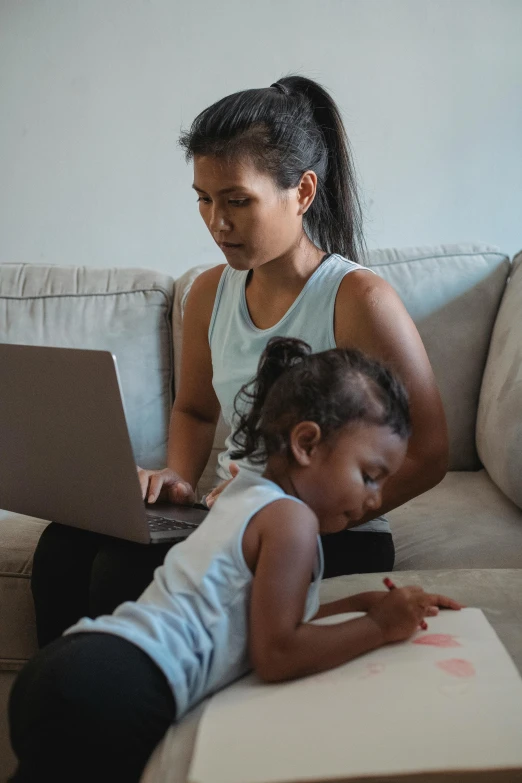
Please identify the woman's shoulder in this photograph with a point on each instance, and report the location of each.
(364, 301)
(208, 281)
(203, 291)
(361, 283)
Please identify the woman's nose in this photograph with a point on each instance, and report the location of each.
(218, 221)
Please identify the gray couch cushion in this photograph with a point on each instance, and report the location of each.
(125, 311)
(499, 423)
(463, 522)
(453, 293)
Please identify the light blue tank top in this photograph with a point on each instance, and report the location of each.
(193, 619)
(236, 344)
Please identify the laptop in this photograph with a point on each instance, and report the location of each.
(65, 450)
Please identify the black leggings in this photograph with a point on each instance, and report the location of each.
(89, 707)
(81, 574)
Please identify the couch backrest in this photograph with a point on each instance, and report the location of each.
(453, 293)
(125, 311)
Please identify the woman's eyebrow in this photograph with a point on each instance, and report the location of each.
(221, 192)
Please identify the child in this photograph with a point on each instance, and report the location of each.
(240, 592)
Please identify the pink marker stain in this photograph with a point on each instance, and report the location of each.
(438, 640)
(457, 667)
(371, 670)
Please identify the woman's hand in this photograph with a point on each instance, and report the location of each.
(165, 485)
(216, 492)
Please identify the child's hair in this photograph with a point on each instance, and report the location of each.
(331, 388)
(286, 129)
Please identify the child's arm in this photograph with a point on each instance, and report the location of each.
(282, 647)
(362, 602)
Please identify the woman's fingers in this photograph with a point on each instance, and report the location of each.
(155, 485)
(216, 492)
(143, 477)
(166, 483)
(182, 493)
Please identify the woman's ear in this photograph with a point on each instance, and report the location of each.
(304, 439)
(306, 191)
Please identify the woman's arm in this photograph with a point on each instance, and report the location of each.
(370, 316)
(196, 407)
(281, 645)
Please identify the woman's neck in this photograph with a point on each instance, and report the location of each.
(289, 271)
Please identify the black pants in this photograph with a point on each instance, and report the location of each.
(89, 707)
(81, 574)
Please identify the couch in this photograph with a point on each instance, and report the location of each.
(464, 535)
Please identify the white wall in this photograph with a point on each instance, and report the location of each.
(93, 94)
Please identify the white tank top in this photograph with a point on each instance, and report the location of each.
(193, 619)
(236, 344)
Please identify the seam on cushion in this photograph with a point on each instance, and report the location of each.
(14, 575)
(441, 255)
(99, 293)
(12, 664)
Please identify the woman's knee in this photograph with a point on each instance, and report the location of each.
(121, 571)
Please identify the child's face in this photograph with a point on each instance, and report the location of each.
(345, 476)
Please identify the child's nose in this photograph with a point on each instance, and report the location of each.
(374, 500)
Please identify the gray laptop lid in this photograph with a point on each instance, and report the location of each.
(65, 452)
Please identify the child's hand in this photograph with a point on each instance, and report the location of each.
(366, 601)
(443, 602)
(363, 602)
(399, 613)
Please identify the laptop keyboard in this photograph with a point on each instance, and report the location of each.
(157, 523)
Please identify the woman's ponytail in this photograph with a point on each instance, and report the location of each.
(280, 355)
(335, 218)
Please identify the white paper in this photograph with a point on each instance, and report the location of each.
(403, 708)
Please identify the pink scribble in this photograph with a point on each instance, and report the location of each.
(372, 669)
(438, 640)
(458, 667)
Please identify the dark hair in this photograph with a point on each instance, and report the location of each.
(286, 129)
(332, 388)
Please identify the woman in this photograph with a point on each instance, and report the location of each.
(277, 191)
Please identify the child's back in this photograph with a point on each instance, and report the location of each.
(193, 618)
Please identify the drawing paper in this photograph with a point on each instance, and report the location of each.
(446, 703)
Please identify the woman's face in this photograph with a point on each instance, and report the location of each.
(248, 217)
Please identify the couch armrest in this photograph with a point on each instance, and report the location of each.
(499, 420)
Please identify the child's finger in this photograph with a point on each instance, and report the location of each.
(444, 602)
(432, 611)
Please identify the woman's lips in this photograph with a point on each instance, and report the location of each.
(228, 247)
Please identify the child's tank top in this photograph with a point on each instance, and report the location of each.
(193, 619)
(236, 344)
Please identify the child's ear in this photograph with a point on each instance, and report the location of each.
(304, 439)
